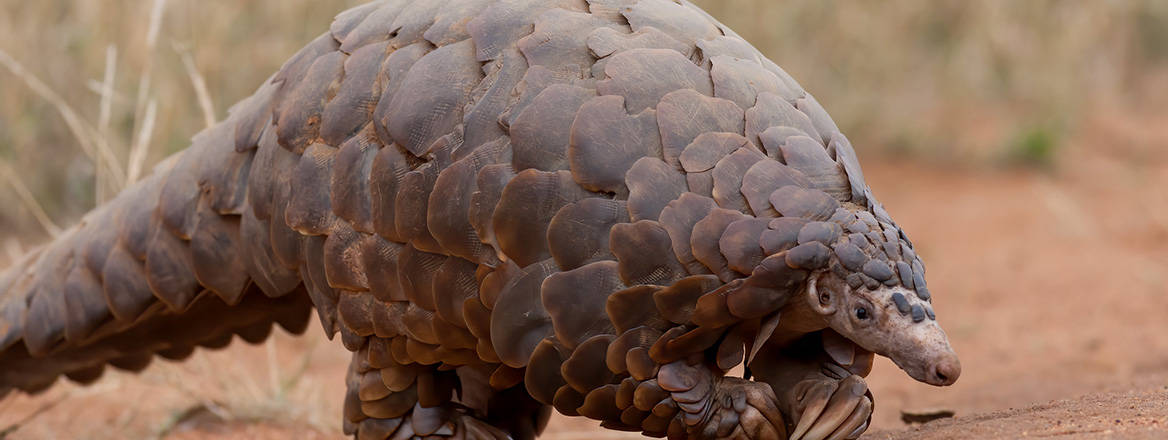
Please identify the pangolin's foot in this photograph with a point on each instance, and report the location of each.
(414, 401)
(445, 421)
(833, 405)
(712, 406)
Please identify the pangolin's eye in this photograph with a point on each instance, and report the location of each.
(861, 313)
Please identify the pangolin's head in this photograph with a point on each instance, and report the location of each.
(843, 266)
(873, 293)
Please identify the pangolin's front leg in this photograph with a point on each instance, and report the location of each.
(613, 337)
(711, 405)
(806, 395)
(687, 398)
(637, 369)
(821, 392)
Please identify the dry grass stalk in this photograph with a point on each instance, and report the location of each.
(144, 102)
(142, 143)
(104, 187)
(29, 200)
(107, 90)
(95, 87)
(200, 86)
(85, 134)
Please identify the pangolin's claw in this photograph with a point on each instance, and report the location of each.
(856, 423)
(812, 396)
(843, 402)
(827, 408)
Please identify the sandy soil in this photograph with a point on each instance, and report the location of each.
(1134, 414)
(1052, 286)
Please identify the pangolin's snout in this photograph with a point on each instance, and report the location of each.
(944, 371)
(924, 353)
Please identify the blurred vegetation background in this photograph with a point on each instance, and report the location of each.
(955, 82)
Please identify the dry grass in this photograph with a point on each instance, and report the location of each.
(121, 84)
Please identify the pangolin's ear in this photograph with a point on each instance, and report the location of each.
(821, 296)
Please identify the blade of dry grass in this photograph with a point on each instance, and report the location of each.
(85, 134)
(95, 86)
(199, 84)
(141, 106)
(107, 90)
(29, 200)
(104, 187)
(142, 143)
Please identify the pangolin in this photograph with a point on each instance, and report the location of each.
(504, 207)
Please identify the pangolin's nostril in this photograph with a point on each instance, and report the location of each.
(947, 371)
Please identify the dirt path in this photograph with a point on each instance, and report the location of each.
(1052, 286)
(1136, 414)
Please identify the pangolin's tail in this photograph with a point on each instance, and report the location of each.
(177, 261)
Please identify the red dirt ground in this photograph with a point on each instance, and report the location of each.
(1052, 286)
